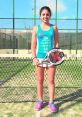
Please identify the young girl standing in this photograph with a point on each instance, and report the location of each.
(44, 38)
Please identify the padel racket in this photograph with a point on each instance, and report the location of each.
(53, 57)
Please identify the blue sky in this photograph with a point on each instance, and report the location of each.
(66, 9)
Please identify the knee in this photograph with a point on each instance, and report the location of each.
(40, 80)
(51, 82)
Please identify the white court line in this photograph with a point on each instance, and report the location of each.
(38, 113)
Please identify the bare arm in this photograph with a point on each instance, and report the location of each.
(33, 42)
(33, 46)
(56, 37)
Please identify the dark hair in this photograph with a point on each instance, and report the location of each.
(47, 8)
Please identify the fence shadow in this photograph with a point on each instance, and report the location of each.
(75, 97)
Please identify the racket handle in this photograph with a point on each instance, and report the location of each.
(56, 48)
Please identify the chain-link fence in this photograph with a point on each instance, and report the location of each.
(18, 82)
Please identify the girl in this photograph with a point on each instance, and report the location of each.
(44, 38)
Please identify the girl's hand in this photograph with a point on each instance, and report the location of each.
(35, 61)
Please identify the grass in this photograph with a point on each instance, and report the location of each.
(66, 109)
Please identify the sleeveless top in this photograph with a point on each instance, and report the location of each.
(45, 41)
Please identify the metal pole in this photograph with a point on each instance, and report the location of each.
(34, 12)
(13, 30)
(33, 15)
(77, 28)
(56, 14)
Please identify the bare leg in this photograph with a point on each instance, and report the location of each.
(51, 84)
(40, 80)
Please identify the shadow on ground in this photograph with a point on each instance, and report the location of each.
(75, 96)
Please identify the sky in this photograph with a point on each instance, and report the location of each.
(66, 10)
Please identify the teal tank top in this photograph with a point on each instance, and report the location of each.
(45, 41)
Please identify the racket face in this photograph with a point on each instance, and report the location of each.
(56, 56)
(53, 57)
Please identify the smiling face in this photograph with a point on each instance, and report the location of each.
(45, 16)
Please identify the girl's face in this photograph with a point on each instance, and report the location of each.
(45, 16)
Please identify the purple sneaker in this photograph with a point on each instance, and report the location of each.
(53, 107)
(39, 105)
